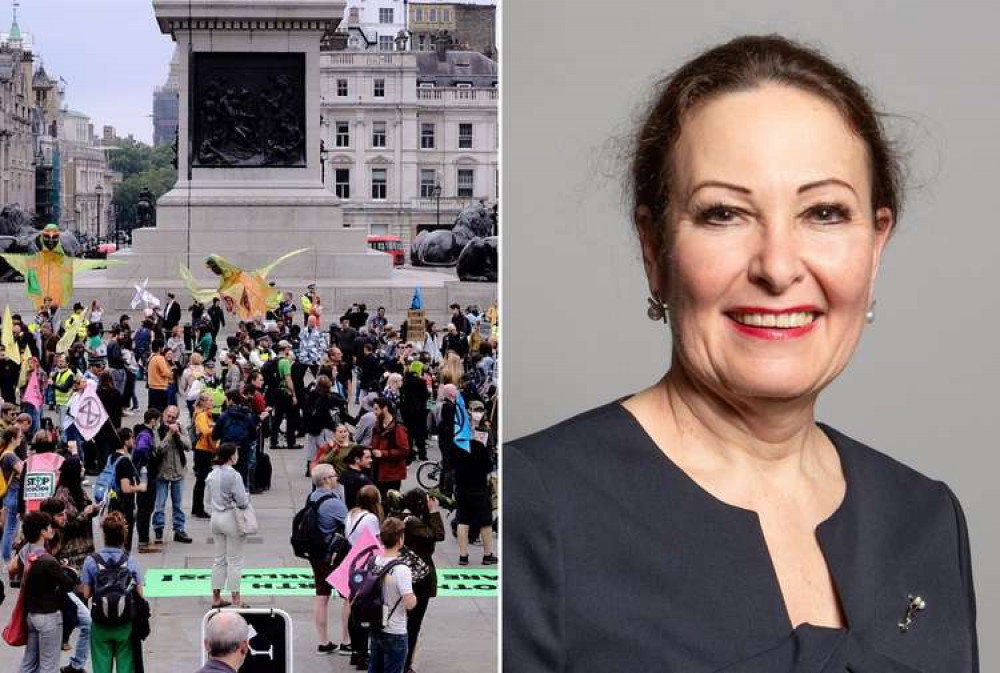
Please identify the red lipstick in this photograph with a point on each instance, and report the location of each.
(774, 333)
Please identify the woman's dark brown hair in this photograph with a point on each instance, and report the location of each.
(740, 65)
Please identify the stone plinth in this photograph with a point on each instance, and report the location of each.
(249, 214)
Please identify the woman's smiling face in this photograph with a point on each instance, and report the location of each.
(773, 243)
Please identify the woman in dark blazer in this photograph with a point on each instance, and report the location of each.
(709, 523)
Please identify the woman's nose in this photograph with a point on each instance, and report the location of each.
(776, 263)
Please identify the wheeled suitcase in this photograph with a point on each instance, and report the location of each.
(262, 475)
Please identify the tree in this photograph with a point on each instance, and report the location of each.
(140, 166)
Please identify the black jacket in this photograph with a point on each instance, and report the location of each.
(171, 315)
(617, 560)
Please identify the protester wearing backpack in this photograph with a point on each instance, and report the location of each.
(43, 591)
(237, 425)
(380, 596)
(365, 515)
(329, 513)
(319, 418)
(224, 493)
(113, 580)
(118, 483)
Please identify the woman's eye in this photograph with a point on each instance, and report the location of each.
(718, 215)
(828, 213)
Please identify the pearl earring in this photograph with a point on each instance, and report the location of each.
(870, 314)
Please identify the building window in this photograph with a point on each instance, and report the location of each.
(432, 15)
(418, 14)
(342, 182)
(385, 43)
(426, 85)
(428, 180)
(341, 88)
(343, 135)
(463, 85)
(378, 184)
(465, 136)
(379, 88)
(446, 15)
(427, 136)
(378, 134)
(423, 41)
(378, 229)
(466, 182)
(385, 15)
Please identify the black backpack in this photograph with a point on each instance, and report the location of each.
(307, 540)
(367, 585)
(272, 382)
(113, 601)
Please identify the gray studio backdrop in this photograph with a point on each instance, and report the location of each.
(923, 385)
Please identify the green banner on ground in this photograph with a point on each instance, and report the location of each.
(183, 582)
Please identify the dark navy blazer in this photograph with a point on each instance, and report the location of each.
(616, 560)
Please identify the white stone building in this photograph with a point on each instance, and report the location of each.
(373, 25)
(404, 157)
(87, 181)
(17, 171)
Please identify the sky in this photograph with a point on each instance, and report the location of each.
(110, 53)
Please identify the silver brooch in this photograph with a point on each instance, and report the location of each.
(914, 605)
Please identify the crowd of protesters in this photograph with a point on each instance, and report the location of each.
(218, 401)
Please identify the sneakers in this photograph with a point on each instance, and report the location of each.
(182, 537)
(71, 669)
(489, 559)
(159, 537)
(326, 649)
(463, 560)
(345, 649)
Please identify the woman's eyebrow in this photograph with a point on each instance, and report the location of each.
(724, 185)
(822, 183)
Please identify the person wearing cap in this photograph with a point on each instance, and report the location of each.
(171, 313)
(285, 401)
(307, 302)
(95, 367)
(77, 322)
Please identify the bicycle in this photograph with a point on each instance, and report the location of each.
(429, 474)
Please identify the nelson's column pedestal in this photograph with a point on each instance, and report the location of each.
(249, 125)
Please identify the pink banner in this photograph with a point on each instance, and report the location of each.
(338, 579)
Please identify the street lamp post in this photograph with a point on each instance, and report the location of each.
(322, 160)
(437, 197)
(100, 191)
